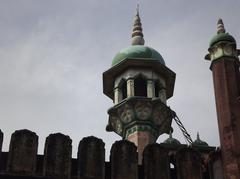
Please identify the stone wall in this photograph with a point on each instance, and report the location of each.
(159, 161)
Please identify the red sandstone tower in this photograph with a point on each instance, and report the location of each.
(223, 55)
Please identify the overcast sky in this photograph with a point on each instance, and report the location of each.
(53, 54)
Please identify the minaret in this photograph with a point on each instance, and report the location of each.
(139, 83)
(223, 55)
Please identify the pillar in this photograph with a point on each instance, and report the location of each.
(117, 95)
(150, 89)
(130, 87)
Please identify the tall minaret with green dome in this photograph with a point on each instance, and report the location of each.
(139, 83)
(223, 55)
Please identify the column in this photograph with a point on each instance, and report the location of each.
(150, 89)
(117, 95)
(130, 87)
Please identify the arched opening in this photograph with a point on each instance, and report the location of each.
(157, 88)
(123, 88)
(140, 86)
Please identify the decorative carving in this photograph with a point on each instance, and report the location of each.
(148, 114)
(116, 124)
(126, 113)
(143, 110)
(157, 115)
(119, 127)
(228, 50)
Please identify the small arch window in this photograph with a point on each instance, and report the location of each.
(157, 88)
(123, 88)
(140, 86)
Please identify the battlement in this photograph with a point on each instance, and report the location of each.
(160, 161)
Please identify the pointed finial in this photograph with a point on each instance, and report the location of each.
(220, 26)
(137, 10)
(137, 35)
(198, 137)
(199, 142)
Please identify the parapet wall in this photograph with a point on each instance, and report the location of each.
(159, 161)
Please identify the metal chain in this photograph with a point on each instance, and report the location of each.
(182, 128)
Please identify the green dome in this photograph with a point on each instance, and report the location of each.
(222, 37)
(171, 141)
(137, 51)
(199, 142)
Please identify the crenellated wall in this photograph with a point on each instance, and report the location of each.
(160, 161)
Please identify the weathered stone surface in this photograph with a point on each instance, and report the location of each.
(57, 156)
(156, 162)
(124, 164)
(215, 166)
(22, 154)
(188, 164)
(142, 111)
(91, 158)
(226, 78)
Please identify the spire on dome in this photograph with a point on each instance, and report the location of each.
(171, 140)
(220, 26)
(198, 137)
(199, 142)
(137, 35)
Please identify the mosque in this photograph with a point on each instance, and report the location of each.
(140, 83)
